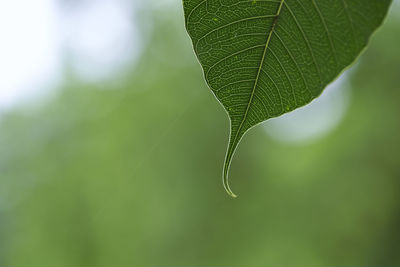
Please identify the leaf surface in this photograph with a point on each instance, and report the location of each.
(263, 58)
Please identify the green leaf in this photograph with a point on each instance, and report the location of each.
(263, 58)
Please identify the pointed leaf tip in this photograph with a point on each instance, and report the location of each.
(225, 177)
(228, 189)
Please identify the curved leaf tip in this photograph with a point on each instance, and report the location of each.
(233, 142)
(225, 182)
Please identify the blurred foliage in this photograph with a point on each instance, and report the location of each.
(128, 173)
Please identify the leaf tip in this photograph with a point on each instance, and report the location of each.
(226, 183)
(229, 191)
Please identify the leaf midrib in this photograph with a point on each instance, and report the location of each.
(232, 145)
(259, 69)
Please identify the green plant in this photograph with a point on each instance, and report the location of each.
(263, 58)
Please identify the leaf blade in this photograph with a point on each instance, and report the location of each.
(263, 58)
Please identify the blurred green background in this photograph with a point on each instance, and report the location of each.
(128, 172)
